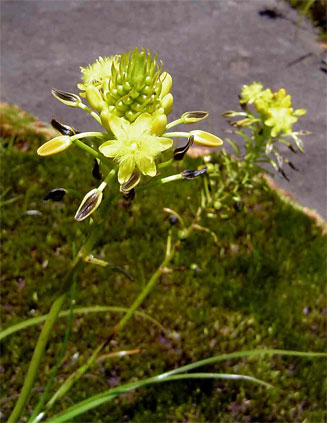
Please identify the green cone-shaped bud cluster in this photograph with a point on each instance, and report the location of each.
(128, 85)
(136, 85)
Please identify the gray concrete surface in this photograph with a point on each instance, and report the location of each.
(210, 47)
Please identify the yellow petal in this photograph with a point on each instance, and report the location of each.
(206, 139)
(117, 126)
(109, 148)
(147, 166)
(54, 146)
(126, 168)
(143, 123)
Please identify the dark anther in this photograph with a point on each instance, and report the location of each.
(239, 206)
(270, 13)
(292, 166)
(191, 174)
(173, 219)
(292, 149)
(55, 195)
(180, 152)
(284, 174)
(96, 171)
(130, 195)
(64, 95)
(63, 129)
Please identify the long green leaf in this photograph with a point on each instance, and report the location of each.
(79, 310)
(175, 374)
(109, 395)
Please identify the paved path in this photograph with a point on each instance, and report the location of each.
(210, 47)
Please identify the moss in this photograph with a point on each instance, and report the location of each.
(262, 286)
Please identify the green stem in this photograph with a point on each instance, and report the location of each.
(91, 112)
(176, 134)
(49, 323)
(174, 123)
(37, 358)
(87, 135)
(89, 149)
(45, 394)
(139, 300)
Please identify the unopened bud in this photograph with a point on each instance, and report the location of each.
(206, 139)
(90, 203)
(63, 129)
(180, 152)
(94, 97)
(96, 171)
(193, 117)
(159, 125)
(167, 103)
(54, 146)
(300, 112)
(230, 113)
(167, 83)
(69, 99)
(131, 183)
(191, 174)
(242, 122)
(55, 195)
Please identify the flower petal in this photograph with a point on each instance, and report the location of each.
(146, 165)
(165, 143)
(143, 123)
(126, 168)
(109, 148)
(117, 126)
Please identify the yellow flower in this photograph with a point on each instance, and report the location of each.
(135, 146)
(97, 72)
(280, 119)
(250, 92)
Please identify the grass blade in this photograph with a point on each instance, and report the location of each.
(79, 310)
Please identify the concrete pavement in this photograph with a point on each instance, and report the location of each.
(211, 48)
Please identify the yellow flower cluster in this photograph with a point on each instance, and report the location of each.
(275, 108)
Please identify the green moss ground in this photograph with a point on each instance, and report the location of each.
(263, 286)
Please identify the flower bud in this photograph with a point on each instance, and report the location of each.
(191, 174)
(206, 139)
(105, 116)
(159, 125)
(180, 152)
(63, 129)
(94, 97)
(56, 194)
(167, 103)
(90, 203)
(230, 113)
(131, 183)
(167, 83)
(54, 146)
(69, 99)
(193, 117)
(299, 112)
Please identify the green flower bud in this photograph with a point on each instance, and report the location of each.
(206, 139)
(193, 117)
(69, 99)
(167, 103)
(54, 146)
(94, 97)
(167, 83)
(90, 203)
(159, 124)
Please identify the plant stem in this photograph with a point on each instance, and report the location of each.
(37, 358)
(138, 301)
(90, 111)
(50, 321)
(176, 134)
